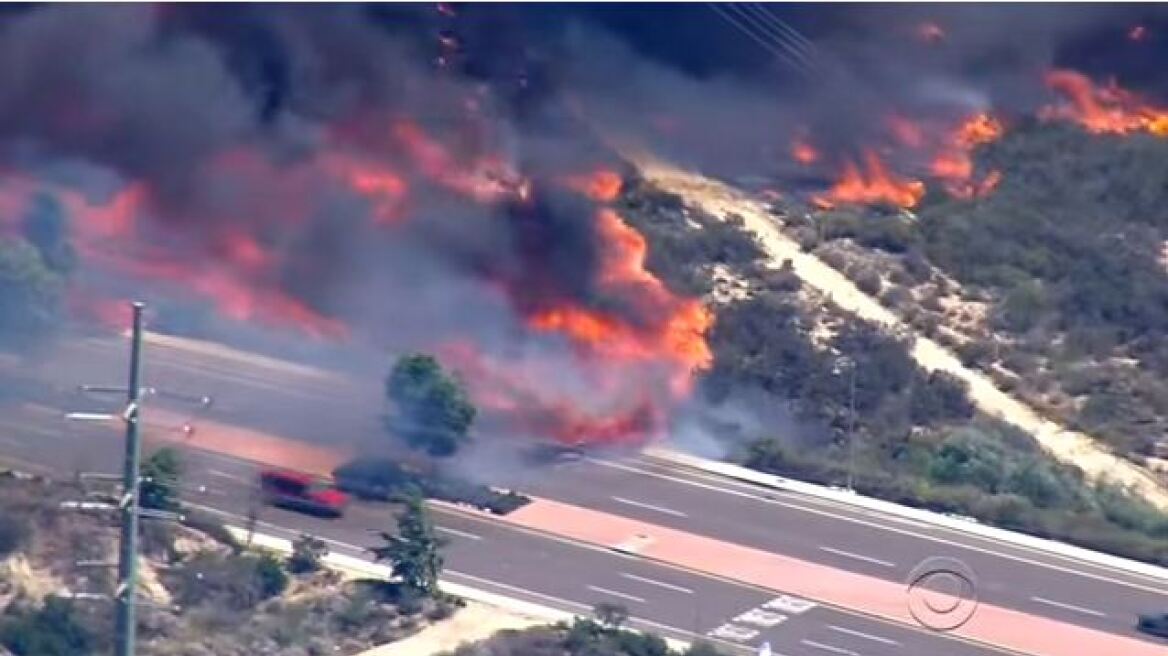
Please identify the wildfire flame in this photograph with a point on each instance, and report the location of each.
(612, 352)
(602, 186)
(1106, 109)
(803, 152)
(953, 164)
(873, 185)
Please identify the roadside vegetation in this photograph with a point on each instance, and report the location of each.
(860, 407)
(208, 594)
(603, 634)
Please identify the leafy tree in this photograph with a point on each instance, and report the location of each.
(51, 630)
(307, 553)
(415, 551)
(161, 473)
(432, 410)
(46, 227)
(31, 295)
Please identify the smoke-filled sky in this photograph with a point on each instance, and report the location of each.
(439, 176)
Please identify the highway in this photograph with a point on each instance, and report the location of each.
(541, 569)
(324, 408)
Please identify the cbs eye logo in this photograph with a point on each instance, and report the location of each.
(942, 593)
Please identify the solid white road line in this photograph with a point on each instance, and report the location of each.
(1059, 604)
(861, 634)
(667, 586)
(836, 650)
(649, 506)
(461, 534)
(614, 593)
(849, 514)
(866, 559)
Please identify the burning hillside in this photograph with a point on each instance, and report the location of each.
(431, 177)
(424, 221)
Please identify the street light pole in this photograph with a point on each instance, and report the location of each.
(126, 594)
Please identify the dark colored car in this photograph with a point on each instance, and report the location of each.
(550, 453)
(302, 492)
(375, 479)
(1156, 625)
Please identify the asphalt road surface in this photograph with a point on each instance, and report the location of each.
(328, 409)
(491, 556)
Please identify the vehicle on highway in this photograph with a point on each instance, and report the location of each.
(377, 479)
(553, 452)
(302, 492)
(1156, 625)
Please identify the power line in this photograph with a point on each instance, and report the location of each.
(749, 26)
(783, 33)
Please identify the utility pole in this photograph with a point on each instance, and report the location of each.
(126, 503)
(127, 590)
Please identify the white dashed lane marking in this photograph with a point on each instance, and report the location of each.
(614, 593)
(861, 634)
(660, 584)
(855, 556)
(1077, 609)
(649, 506)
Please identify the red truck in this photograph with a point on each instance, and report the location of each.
(295, 490)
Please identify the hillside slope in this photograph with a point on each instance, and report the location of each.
(1080, 449)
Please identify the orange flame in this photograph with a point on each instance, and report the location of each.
(803, 152)
(603, 186)
(623, 360)
(875, 186)
(1102, 109)
(383, 188)
(486, 179)
(954, 163)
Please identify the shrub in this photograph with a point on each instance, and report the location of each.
(51, 630)
(270, 577)
(307, 553)
(868, 281)
(236, 582)
(940, 397)
(212, 528)
(13, 533)
(161, 473)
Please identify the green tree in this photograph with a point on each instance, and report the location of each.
(432, 411)
(31, 295)
(161, 473)
(46, 226)
(415, 551)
